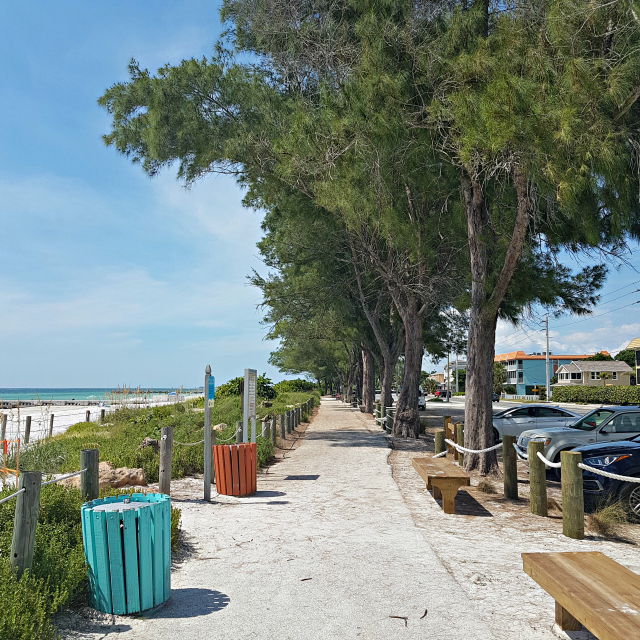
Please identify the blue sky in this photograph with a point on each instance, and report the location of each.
(108, 277)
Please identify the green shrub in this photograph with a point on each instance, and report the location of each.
(264, 389)
(458, 393)
(297, 385)
(58, 577)
(615, 395)
(510, 389)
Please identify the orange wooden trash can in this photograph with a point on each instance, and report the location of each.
(236, 468)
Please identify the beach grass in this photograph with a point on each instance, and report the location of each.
(119, 439)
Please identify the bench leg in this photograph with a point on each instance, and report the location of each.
(448, 500)
(437, 494)
(565, 620)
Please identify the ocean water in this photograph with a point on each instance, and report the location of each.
(60, 394)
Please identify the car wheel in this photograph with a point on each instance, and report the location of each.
(630, 498)
(496, 436)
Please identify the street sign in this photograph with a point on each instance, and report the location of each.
(212, 388)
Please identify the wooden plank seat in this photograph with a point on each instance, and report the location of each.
(590, 589)
(443, 478)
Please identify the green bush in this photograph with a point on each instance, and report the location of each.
(58, 577)
(458, 393)
(264, 389)
(297, 385)
(510, 389)
(615, 395)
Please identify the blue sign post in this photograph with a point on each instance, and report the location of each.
(212, 388)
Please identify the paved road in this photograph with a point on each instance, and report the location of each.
(326, 549)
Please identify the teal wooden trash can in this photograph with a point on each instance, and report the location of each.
(127, 547)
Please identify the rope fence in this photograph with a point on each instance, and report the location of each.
(13, 495)
(463, 450)
(68, 475)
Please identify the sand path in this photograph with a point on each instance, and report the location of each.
(325, 549)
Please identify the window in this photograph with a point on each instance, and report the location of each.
(614, 375)
(576, 376)
(624, 423)
(529, 412)
(519, 364)
(520, 376)
(595, 375)
(547, 412)
(592, 420)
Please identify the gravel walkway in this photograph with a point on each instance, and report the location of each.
(326, 548)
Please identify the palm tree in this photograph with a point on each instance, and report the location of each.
(604, 375)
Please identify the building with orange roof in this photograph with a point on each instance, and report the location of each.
(526, 371)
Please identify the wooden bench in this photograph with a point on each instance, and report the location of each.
(442, 477)
(590, 589)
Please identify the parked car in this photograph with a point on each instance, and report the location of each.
(622, 458)
(515, 420)
(602, 425)
(495, 397)
(442, 393)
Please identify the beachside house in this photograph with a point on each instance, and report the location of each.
(634, 345)
(527, 372)
(594, 373)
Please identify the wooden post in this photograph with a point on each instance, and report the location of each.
(164, 471)
(286, 422)
(572, 495)
(283, 432)
(3, 427)
(102, 414)
(25, 521)
(51, 425)
(265, 430)
(239, 432)
(27, 430)
(438, 435)
(460, 441)
(537, 480)
(448, 433)
(90, 479)
(87, 416)
(510, 468)
(274, 421)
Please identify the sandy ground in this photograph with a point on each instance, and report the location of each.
(326, 548)
(341, 537)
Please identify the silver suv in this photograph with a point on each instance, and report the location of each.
(606, 424)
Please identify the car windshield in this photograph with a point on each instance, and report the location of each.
(592, 420)
(501, 414)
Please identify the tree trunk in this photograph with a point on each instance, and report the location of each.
(369, 380)
(360, 377)
(481, 338)
(407, 418)
(386, 379)
(483, 318)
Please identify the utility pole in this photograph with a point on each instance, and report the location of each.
(447, 378)
(456, 372)
(547, 359)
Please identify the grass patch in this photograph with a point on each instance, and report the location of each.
(119, 440)
(607, 519)
(486, 486)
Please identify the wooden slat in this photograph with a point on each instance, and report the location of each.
(130, 538)
(254, 463)
(157, 555)
(89, 553)
(116, 566)
(601, 594)
(242, 470)
(144, 557)
(235, 469)
(439, 468)
(103, 591)
(226, 454)
(217, 469)
(166, 507)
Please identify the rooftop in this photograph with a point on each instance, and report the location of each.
(596, 365)
(521, 355)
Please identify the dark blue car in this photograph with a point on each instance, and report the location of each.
(623, 458)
